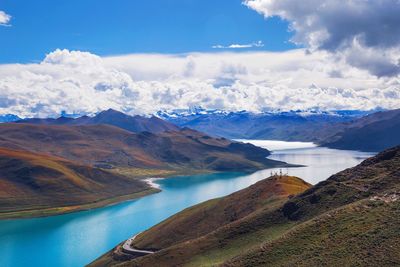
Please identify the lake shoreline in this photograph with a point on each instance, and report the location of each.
(147, 178)
(55, 211)
(40, 213)
(76, 232)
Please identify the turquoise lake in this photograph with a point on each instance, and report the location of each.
(78, 238)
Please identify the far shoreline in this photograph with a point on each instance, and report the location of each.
(62, 210)
(152, 189)
(40, 213)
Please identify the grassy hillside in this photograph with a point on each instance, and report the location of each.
(200, 222)
(351, 219)
(111, 147)
(361, 234)
(215, 213)
(32, 183)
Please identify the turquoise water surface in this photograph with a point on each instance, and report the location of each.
(77, 239)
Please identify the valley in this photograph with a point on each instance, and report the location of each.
(108, 226)
(231, 133)
(50, 168)
(65, 165)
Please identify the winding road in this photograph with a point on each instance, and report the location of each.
(127, 249)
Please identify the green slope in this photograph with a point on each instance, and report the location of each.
(365, 233)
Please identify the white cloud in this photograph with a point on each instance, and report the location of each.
(366, 33)
(4, 18)
(236, 46)
(80, 82)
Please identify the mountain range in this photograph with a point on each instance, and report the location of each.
(363, 131)
(288, 126)
(351, 219)
(129, 148)
(51, 166)
(134, 124)
(356, 130)
(111, 147)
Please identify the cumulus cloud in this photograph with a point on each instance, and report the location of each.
(236, 46)
(4, 18)
(84, 83)
(366, 33)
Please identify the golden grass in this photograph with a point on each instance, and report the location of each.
(292, 185)
(143, 172)
(49, 162)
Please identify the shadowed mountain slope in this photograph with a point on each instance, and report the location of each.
(350, 219)
(374, 132)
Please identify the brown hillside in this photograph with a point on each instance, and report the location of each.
(30, 181)
(200, 228)
(206, 217)
(109, 146)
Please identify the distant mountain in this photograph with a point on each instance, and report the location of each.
(9, 118)
(198, 111)
(375, 132)
(351, 219)
(355, 130)
(288, 126)
(38, 184)
(134, 124)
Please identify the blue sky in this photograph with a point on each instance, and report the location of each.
(84, 56)
(106, 27)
